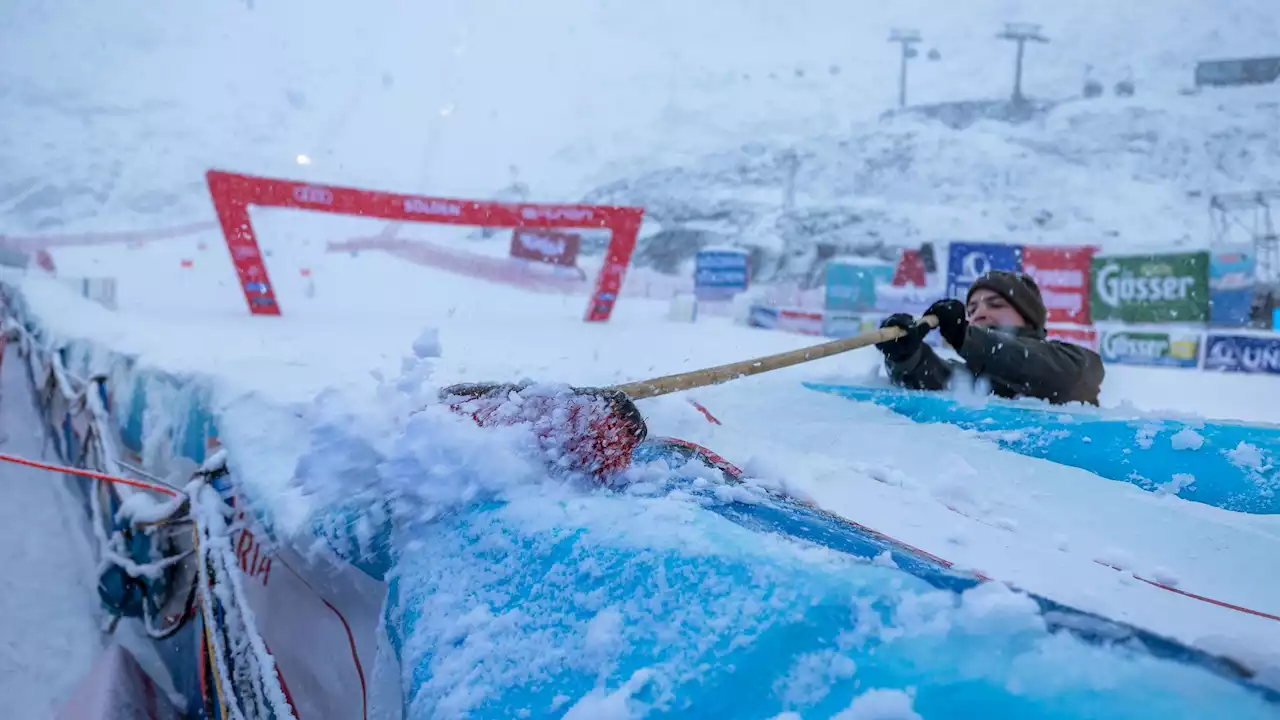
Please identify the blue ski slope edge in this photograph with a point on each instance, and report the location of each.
(1234, 466)
(705, 598)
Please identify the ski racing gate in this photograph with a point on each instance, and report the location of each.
(249, 625)
(233, 194)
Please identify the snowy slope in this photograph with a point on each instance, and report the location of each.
(445, 97)
(1122, 174)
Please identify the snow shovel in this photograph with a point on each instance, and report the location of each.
(595, 430)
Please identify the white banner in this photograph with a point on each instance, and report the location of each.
(99, 290)
(319, 621)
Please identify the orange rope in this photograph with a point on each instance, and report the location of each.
(89, 474)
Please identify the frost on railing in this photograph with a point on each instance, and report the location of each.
(161, 560)
(241, 660)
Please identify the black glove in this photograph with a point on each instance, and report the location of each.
(951, 321)
(908, 344)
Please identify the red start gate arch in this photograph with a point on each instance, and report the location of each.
(233, 194)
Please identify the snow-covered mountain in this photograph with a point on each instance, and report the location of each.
(112, 112)
(1116, 173)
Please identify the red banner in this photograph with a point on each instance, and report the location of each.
(555, 248)
(800, 321)
(45, 261)
(233, 194)
(1063, 276)
(910, 270)
(1086, 336)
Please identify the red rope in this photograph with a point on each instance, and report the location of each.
(1193, 596)
(705, 412)
(1202, 598)
(89, 474)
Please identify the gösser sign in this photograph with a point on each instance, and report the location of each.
(1150, 348)
(1151, 288)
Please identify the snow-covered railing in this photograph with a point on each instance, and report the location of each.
(163, 561)
(83, 439)
(244, 671)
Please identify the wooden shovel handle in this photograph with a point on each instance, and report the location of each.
(723, 373)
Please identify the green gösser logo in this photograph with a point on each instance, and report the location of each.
(1167, 288)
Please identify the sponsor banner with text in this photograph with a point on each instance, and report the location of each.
(804, 322)
(1150, 347)
(319, 620)
(1165, 288)
(762, 316)
(1075, 334)
(719, 274)
(1242, 353)
(1063, 276)
(546, 246)
(843, 325)
(1231, 286)
(852, 286)
(968, 260)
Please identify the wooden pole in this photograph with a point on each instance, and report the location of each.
(723, 373)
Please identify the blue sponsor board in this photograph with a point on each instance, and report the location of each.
(762, 316)
(720, 273)
(842, 325)
(1231, 281)
(1230, 307)
(1243, 353)
(851, 287)
(966, 261)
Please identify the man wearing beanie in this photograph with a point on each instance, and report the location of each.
(999, 333)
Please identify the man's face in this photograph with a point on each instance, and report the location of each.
(987, 309)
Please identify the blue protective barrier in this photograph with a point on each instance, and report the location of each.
(194, 437)
(731, 604)
(1231, 466)
(131, 431)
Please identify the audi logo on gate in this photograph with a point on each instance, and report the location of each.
(245, 252)
(313, 195)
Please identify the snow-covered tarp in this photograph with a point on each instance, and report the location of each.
(443, 572)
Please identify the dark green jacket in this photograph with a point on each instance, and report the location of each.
(1024, 364)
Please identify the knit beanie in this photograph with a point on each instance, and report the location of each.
(1019, 289)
